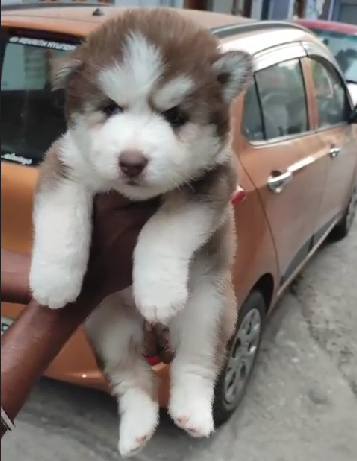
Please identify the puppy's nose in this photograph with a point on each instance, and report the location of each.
(132, 163)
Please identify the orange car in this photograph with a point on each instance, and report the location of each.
(296, 144)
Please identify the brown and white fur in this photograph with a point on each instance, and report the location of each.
(121, 86)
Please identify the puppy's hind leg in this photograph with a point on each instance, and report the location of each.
(115, 330)
(199, 338)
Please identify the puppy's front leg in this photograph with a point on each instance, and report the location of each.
(163, 254)
(62, 230)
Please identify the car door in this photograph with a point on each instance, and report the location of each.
(336, 135)
(282, 155)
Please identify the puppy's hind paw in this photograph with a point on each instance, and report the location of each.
(137, 426)
(192, 413)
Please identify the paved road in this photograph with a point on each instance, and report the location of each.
(301, 405)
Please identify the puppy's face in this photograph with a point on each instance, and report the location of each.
(148, 98)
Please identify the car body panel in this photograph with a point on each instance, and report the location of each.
(339, 178)
(256, 252)
(304, 158)
(80, 21)
(261, 218)
(297, 205)
(17, 182)
(344, 137)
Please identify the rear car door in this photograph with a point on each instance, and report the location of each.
(282, 155)
(336, 135)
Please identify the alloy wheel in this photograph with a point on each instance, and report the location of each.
(241, 357)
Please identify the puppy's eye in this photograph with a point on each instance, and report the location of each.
(111, 108)
(175, 116)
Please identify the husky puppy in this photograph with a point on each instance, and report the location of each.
(148, 97)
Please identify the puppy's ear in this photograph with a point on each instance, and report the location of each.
(234, 70)
(63, 69)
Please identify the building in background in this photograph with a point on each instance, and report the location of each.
(343, 11)
(334, 10)
(173, 3)
(247, 8)
(288, 9)
(337, 10)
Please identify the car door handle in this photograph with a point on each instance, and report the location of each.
(334, 152)
(278, 180)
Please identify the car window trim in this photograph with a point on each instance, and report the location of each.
(254, 83)
(269, 142)
(61, 37)
(269, 58)
(343, 124)
(276, 55)
(314, 50)
(290, 136)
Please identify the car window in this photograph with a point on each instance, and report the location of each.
(344, 49)
(32, 115)
(331, 95)
(282, 94)
(252, 120)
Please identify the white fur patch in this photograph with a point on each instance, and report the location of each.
(172, 160)
(82, 169)
(173, 92)
(136, 75)
(62, 218)
(162, 258)
(113, 327)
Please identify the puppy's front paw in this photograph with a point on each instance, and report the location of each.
(192, 411)
(53, 285)
(161, 292)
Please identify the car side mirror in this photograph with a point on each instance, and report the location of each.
(353, 115)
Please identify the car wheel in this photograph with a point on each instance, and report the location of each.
(343, 227)
(242, 351)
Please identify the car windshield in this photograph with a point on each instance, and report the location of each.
(344, 48)
(32, 115)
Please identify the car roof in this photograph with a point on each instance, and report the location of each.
(79, 20)
(334, 26)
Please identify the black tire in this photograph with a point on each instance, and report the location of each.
(343, 227)
(224, 404)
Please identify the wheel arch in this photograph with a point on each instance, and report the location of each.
(265, 285)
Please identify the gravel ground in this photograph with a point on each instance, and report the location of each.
(301, 404)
